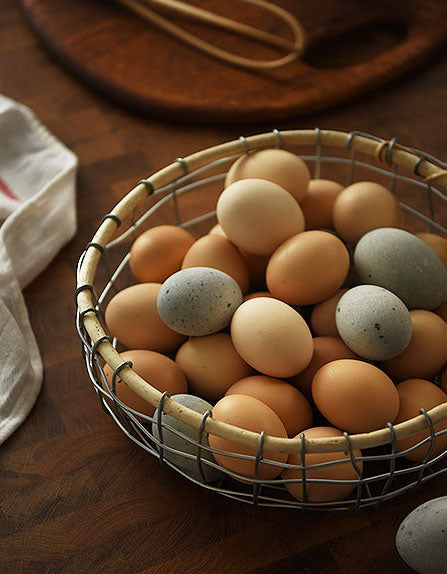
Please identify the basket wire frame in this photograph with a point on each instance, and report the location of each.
(394, 476)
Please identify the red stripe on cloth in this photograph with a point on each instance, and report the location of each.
(6, 191)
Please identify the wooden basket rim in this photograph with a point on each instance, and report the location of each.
(382, 150)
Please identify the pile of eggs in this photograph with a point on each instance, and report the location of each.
(306, 309)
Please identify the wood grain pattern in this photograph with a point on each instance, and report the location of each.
(353, 47)
(75, 495)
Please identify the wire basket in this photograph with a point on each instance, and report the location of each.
(381, 472)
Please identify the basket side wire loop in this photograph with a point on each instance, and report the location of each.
(388, 483)
(303, 467)
(116, 372)
(96, 345)
(148, 185)
(182, 162)
(206, 414)
(244, 143)
(430, 446)
(159, 424)
(317, 172)
(279, 137)
(358, 470)
(259, 457)
(113, 217)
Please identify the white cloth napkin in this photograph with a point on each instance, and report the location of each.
(37, 217)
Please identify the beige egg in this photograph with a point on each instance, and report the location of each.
(158, 252)
(286, 401)
(362, 207)
(307, 268)
(326, 349)
(157, 370)
(426, 353)
(355, 396)
(437, 243)
(416, 394)
(258, 215)
(271, 337)
(321, 491)
(211, 365)
(253, 415)
(279, 166)
(318, 203)
(322, 318)
(132, 317)
(218, 252)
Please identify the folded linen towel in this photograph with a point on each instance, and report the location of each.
(37, 217)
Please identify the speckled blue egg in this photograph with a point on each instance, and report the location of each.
(404, 264)
(373, 322)
(171, 440)
(422, 537)
(198, 301)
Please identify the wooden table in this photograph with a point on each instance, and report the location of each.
(75, 494)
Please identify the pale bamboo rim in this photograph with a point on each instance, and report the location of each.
(399, 155)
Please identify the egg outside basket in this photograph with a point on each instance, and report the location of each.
(168, 196)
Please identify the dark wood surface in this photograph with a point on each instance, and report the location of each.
(352, 48)
(75, 494)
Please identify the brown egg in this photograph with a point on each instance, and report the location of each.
(288, 403)
(158, 252)
(218, 252)
(157, 370)
(326, 349)
(437, 243)
(258, 294)
(426, 353)
(258, 215)
(132, 317)
(320, 491)
(416, 394)
(250, 414)
(271, 337)
(256, 265)
(211, 365)
(318, 203)
(277, 165)
(362, 207)
(322, 318)
(442, 311)
(307, 268)
(216, 230)
(355, 396)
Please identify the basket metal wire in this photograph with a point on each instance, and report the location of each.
(381, 471)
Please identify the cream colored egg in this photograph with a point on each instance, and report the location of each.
(271, 337)
(258, 215)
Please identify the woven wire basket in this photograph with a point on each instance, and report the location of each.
(381, 472)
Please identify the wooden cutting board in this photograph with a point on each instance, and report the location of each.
(353, 47)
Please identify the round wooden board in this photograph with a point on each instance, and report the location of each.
(353, 47)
